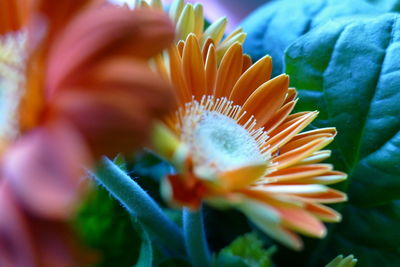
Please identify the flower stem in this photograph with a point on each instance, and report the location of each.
(195, 238)
(141, 205)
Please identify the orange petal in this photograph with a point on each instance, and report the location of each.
(330, 131)
(177, 76)
(329, 196)
(316, 157)
(253, 77)
(298, 219)
(206, 48)
(299, 172)
(117, 114)
(159, 64)
(279, 116)
(293, 119)
(304, 192)
(180, 46)
(285, 132)
(295, 116)
(331, 177)
(103, 32)
(247, 62)
(293, 156)
(266, 100)
(298, 142)
(322, 212)
(57, 17)
(291, 95)
(193, 67)
(121, 75)
(242, 177)
(14, 15)
(229, 71)
(111, 123)
(267, 219)
(45, 168)
(211, 70)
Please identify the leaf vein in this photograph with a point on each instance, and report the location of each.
(391, 30)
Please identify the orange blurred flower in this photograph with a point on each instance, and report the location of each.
(75, 85)
(235, 144)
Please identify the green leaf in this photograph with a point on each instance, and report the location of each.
(245, 251)
(274, 26)
(349, 69)
(340, 261)
(106, 227)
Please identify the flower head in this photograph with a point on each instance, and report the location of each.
(75, 84)
(235, 144)
(68, 83)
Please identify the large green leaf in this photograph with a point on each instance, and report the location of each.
(349, 69)
(275, 25)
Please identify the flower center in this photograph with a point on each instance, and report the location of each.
(12, 62)
(217, 141)
(220, 141)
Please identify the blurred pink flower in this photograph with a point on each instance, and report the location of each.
(78, 85)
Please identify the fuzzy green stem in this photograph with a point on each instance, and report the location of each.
(195, 238)
(141, 205)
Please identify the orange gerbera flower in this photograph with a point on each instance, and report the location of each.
(75, 84)
(234, 144)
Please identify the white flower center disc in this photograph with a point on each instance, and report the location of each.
(220, 142)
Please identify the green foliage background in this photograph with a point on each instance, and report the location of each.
(344, 58)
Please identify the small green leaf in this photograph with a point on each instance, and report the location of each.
(349, 69)
(106, 228)
(274, 26)
(246, 251)
(229, 260)
(340, 261)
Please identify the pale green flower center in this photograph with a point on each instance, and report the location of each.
(219, 140)
(216, 141)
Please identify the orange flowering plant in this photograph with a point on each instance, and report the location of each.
(141, 134)
(232, 142)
